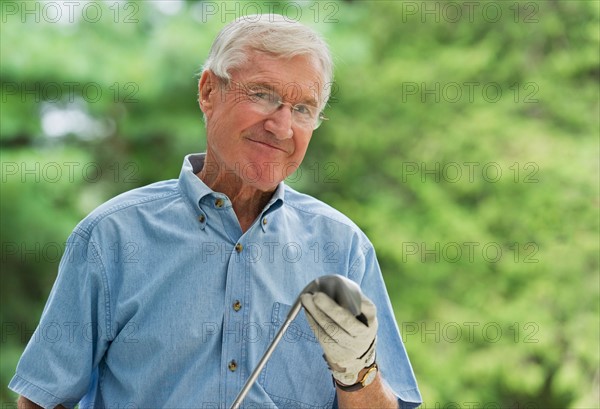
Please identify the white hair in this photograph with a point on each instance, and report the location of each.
(272, 34)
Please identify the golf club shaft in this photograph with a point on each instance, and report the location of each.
(292, 314)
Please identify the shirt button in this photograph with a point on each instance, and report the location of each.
(239, 248)
(264, 220)
(201, 218)
(237, 305)
(219, 202)
(232, 365)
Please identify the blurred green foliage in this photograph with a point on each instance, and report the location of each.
(463, 139)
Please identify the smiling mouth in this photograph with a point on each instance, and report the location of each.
(267, 145)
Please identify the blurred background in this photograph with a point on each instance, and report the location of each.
(463, 138)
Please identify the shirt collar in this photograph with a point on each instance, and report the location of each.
(195, 189)
(191, 185)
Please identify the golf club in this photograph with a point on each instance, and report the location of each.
(342, 290)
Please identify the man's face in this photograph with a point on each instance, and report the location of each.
(260, 149)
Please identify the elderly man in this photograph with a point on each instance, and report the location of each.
(172, 292)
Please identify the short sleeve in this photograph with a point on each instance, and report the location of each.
(73, 333)
(392, 359)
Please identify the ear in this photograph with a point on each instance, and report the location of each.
(206, 92)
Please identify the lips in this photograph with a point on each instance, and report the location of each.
(268, 144)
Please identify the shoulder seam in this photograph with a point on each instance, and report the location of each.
(103, 277)
(118, 207)
(350, 224)
(105, 285)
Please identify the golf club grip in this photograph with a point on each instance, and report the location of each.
(345, 292)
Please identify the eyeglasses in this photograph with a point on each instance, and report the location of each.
(266, 101)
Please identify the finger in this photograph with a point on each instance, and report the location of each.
(369, 309)
(317, 316)
(344, 318)
(348, 327)
(326, 326)
(320, 334)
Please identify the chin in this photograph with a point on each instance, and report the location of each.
(263, 186)
(266, 176)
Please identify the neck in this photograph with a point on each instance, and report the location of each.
(247, 201)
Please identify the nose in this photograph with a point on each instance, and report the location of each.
(279, 123)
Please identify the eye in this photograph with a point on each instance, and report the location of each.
(262, 95)
(258, 95)
(305, 110)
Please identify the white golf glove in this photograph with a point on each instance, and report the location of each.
(348, 344)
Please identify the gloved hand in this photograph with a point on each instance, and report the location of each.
(348, 344)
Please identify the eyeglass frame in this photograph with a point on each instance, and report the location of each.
(277, 102)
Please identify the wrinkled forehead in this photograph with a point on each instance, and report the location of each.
(295, 78)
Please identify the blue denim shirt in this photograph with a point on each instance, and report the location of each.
(162, 301)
